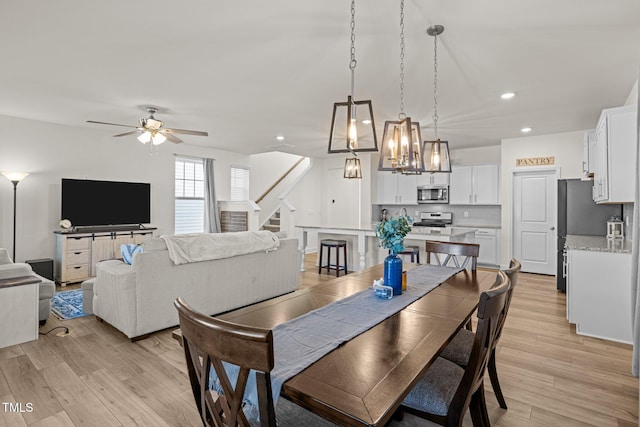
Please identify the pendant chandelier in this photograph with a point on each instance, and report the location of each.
(436, 153)
(352, 168)
(352, 125)
(401, 149)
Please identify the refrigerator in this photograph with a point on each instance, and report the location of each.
(578, 214)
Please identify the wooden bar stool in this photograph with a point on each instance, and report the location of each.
(414, 251)
(337, 244)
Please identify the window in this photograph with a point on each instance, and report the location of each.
(239, 184)
(189, 196)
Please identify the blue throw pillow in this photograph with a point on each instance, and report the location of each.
(128, 251)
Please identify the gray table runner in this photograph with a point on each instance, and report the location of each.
(301, 341)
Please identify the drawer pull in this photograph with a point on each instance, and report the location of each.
(77, 267)
(77, 253)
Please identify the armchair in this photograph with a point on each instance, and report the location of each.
(9, 269)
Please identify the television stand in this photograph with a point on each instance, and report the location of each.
(78, 251)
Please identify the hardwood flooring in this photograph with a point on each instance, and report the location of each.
(95, 377)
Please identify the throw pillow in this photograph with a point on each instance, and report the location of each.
(128, 251)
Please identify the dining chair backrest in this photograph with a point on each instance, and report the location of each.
(512, 273)
(490, 309)
(208, 342)
(453, 250)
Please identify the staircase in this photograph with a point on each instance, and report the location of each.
(273, 224)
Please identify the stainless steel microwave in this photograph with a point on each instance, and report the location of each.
(433, 194)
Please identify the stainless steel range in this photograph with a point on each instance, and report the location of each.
(434, 219)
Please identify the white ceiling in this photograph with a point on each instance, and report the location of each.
(246, 71)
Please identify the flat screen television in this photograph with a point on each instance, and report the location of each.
(97, 203)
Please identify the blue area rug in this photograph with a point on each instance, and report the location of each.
(68, 304)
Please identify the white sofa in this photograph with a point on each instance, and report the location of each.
(138, 299)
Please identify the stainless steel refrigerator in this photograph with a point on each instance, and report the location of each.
(578, 214)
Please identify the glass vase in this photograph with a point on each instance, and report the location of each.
(393, 273)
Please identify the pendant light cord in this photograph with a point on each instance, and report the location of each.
(402, 115)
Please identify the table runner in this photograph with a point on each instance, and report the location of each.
(301, 341)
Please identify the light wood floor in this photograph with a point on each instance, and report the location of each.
(95, 377)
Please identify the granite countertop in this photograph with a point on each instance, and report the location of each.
(493, 226)
(598, 244)
(416, 231)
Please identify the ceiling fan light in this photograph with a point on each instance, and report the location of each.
(144, 137)
(158, 139)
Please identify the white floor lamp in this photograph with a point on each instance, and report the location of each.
(15, 178)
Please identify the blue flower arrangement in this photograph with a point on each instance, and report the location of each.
(392, 232)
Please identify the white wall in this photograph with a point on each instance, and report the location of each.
(50, 152)
(632, 99)
(266, 169)
(468, 156)
(567, 150)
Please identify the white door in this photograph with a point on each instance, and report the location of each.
(534, 220)
(343, 201)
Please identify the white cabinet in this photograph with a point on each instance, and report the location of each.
(488, 240)
(615, 152)
(475, 184)
(439, 178)
(588, 154)
(598, 289)
(397, 189)
(76, 254)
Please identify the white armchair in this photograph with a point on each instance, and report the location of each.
(10, 269)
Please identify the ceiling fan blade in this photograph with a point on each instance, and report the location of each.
(172, 138)
(112, 124)
(186, 132)
(127, 133)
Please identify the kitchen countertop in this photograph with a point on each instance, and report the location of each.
(493, 226)
(416, 231)
(598, 244)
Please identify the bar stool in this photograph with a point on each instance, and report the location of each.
(337, 244)
(414, 251)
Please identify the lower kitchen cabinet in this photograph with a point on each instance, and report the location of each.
(598, 294)
(488, 240)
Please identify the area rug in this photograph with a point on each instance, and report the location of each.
(68, 304)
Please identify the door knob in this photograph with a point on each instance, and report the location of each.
(552, 228)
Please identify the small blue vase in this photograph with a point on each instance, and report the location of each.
(393, 273)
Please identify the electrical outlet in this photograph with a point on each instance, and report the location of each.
(466, 214)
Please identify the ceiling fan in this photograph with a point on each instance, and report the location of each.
(151, 129)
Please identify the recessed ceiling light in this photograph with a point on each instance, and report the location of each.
(507, 95)
(366, 122)
(525, 130)
(280, 138)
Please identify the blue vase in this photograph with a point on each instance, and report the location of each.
(393, 273)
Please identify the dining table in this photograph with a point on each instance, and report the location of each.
(363, 381)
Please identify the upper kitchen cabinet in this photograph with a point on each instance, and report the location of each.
(588, 154)
(615, 153)
(438, 178)
(475, 184)
(397, 189)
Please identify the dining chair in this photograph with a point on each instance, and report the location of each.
(445, 392)
(451, 252)
(207, 343)
(459, 349)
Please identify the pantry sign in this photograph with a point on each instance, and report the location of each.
(536, 161)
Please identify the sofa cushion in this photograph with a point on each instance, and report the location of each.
(18, 269)
(4, 257)
(154, 244)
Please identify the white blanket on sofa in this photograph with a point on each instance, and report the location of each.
(186, 248)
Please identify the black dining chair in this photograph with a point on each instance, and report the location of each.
(207, 343)
(445, 392)
(459, 349)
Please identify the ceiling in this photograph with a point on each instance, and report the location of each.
(246, 71)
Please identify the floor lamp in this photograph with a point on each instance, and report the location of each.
(15, 178)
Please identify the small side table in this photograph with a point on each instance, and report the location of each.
(19, 317)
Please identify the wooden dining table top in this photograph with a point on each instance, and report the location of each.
(363, 381)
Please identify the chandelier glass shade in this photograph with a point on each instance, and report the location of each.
(401, 149)
(155, 137)
(436, 156)
(352, 168)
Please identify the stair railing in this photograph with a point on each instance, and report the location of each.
(275, 184)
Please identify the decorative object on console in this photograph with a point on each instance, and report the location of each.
(401, 149)
(152, 130)
(436, 153)
(615, 228)
(391, 234)
(355, 125)
(65, 224)
(15, 178)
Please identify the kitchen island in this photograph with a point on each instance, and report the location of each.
(364, 239)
